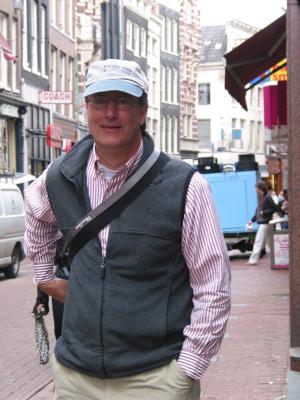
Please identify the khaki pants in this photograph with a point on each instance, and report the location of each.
(165, 383)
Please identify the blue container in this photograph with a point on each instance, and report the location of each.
(236, 201)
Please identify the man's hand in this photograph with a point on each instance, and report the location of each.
(56, 288)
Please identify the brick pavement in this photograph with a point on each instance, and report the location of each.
(252, 363)
(21, 375)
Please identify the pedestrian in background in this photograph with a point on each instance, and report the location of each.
(147, 301)
(263, 215)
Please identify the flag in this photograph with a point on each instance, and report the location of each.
(7, 52)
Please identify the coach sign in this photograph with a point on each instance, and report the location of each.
(56, 97)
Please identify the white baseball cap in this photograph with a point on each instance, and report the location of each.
(116, 75)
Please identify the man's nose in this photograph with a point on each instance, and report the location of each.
(111, 108)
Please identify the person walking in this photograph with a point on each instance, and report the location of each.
(148, 299)
(263, 215)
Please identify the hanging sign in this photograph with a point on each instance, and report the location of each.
(53, 136)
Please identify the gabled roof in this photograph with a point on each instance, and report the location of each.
(214, 43)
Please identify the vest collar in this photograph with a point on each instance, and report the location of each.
(74, 161)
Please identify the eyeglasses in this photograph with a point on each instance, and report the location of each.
(101, 102)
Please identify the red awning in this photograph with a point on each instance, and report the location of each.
(253, 57)
(7, 52)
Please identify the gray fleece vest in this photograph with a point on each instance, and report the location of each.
(131, 318)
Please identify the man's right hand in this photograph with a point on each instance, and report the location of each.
(56, 288)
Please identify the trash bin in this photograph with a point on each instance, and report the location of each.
(279, 243)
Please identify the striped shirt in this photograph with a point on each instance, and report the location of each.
(203, 248)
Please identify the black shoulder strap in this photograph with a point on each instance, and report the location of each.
(97, 219)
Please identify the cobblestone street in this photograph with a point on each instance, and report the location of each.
(251, 365)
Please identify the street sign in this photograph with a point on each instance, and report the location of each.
(56, 97)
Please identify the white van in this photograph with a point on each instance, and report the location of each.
(12, 227)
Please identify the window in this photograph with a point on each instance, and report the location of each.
(154, 47)
(154, 86)
(136, 39)
(169, 35)
(174, 86)
(62, 78)
(259, 97)
(25, 36)
(204, 93)
(187, 120)
(251, 95)
(174, 47)
(43, 41)
(70, 18)
(163, 134)
(4, 65)
(53, 11)
(70, 84)
(260, 146)
(169, 84)
(175, 134)
(163, 83)
(154, 127)
(14, 28)
(62, 16)
(3, 144)
(204, 128)
(163, 33)
(143, 43)
(129, 36)
(53, 81)
(34, 35)
(168, 134)
(236, 134)
(252, 136)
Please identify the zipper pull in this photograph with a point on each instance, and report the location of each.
(102, 269)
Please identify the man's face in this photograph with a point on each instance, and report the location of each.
(114, 120)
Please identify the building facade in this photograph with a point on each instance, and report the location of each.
(190, 41)
(224, 128)
(54, 41)
(169, 79)
(12, 106)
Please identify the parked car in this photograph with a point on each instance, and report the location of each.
(12, 227)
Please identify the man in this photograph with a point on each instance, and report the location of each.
(263, 215)
(147, 301)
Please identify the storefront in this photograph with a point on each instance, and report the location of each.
(38, 153)
(12, 111)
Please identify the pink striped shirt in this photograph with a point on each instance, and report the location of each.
(203, 247)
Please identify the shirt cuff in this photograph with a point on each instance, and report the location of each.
(43, 273)
(193, 365)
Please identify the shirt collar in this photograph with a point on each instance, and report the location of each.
(127, 168)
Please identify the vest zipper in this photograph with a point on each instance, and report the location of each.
(102, 269)
(102, 276)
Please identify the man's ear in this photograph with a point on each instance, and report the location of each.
(144, 113)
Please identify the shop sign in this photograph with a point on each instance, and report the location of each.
(281, 251)
(56, 97)
(9, 110)
(274, 166)
(53, 136)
